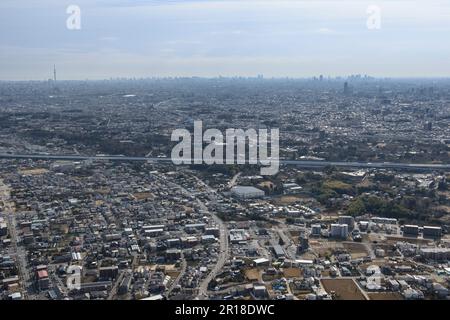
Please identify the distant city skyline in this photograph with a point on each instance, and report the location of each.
(297, 39)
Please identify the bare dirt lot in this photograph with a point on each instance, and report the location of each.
(385, 296)
(287, 200)
(345, 289)
(292, 272)
(33, 172)
(252, 274)
(394, 239)
(143, 195)
(324, 248)
(357, 250)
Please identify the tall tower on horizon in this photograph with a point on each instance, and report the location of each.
(346, 88)
(54, 73)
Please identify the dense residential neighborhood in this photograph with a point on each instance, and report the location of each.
(358, 210)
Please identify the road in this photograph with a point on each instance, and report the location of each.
(223, 255)
(369, 250)
(57, 282)
(180, 275)
(233, 181)
(299, 163)
(18, 251)
(287, 242)
(289, 246)
(223, 241)
(113, 292)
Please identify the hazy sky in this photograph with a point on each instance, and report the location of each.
(139, 38)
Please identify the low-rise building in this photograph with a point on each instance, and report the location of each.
(247, 192)
(432, 232)
(411, 230)
(339, 231)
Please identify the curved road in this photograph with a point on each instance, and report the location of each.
(223, 241)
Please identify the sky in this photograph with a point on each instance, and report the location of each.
(208, 38)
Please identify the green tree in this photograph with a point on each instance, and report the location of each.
(356, 207)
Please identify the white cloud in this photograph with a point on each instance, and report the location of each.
(326, 31)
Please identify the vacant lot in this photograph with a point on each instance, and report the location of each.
(252, 274)
(385, 296)
(394, 239)
(357, 250)
(324, 248)
(345, 289)
(292, 272)
(173, 274)
(144, 195)
(33, 172)
(286, 200)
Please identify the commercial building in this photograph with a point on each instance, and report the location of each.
(238, 235)
(432, 232)
(43, 281)
(363, 225)
(260, 291)
(209, 238)
(316, 230)
(382, 220)
(3, 229)
(291, 188)
(339, 231)
(109, 272)
(195, 226)
(125, 284)
(411, 230)
(438, 254)
(278, 251)
(303, 244)
(247, 192)
(348, 220)
(261, 262)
